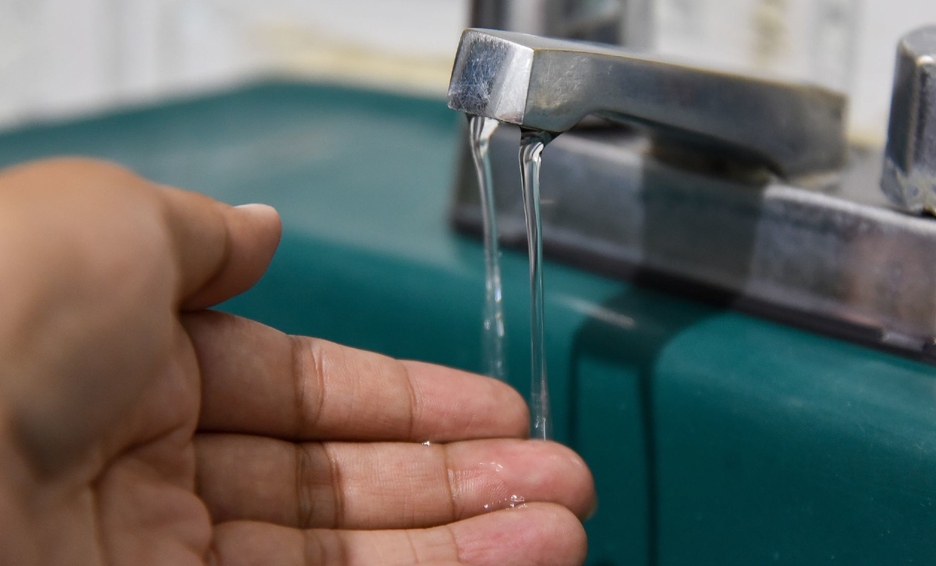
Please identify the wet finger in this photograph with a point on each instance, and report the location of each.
(383, 485)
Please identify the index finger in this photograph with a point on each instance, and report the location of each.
(257, 380)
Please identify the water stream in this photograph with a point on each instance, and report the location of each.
(481, 129)
(532, 143)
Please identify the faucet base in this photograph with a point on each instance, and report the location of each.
(837, 259)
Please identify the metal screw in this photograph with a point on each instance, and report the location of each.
(909, 176)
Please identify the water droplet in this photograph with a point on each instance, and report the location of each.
(516, 500)
(427, 443)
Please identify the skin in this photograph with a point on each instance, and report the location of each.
(138, 428)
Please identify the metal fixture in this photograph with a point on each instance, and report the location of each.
(909, 176)
(834, 257)
(838, 260)
(551, 85)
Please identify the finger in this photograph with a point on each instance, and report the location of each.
(383, 485)
(539, 534)
(257, 380)
(221, 250)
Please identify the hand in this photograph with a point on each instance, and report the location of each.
(138, 429)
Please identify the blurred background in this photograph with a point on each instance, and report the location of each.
(61, 58)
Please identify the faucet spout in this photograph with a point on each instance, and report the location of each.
(550, 85)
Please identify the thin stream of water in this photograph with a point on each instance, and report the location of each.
(481, 129)
(532, 143)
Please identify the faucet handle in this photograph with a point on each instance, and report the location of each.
(909, 174)
(550, 85)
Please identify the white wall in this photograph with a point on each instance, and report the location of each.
(60, 57)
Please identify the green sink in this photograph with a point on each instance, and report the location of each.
(716, 438)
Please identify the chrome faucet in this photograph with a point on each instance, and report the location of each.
(551, 85)
(810, 238)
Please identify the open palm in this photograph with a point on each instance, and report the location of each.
(138, 429)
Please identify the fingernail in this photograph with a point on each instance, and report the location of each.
(257, 213)
(256, 208)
